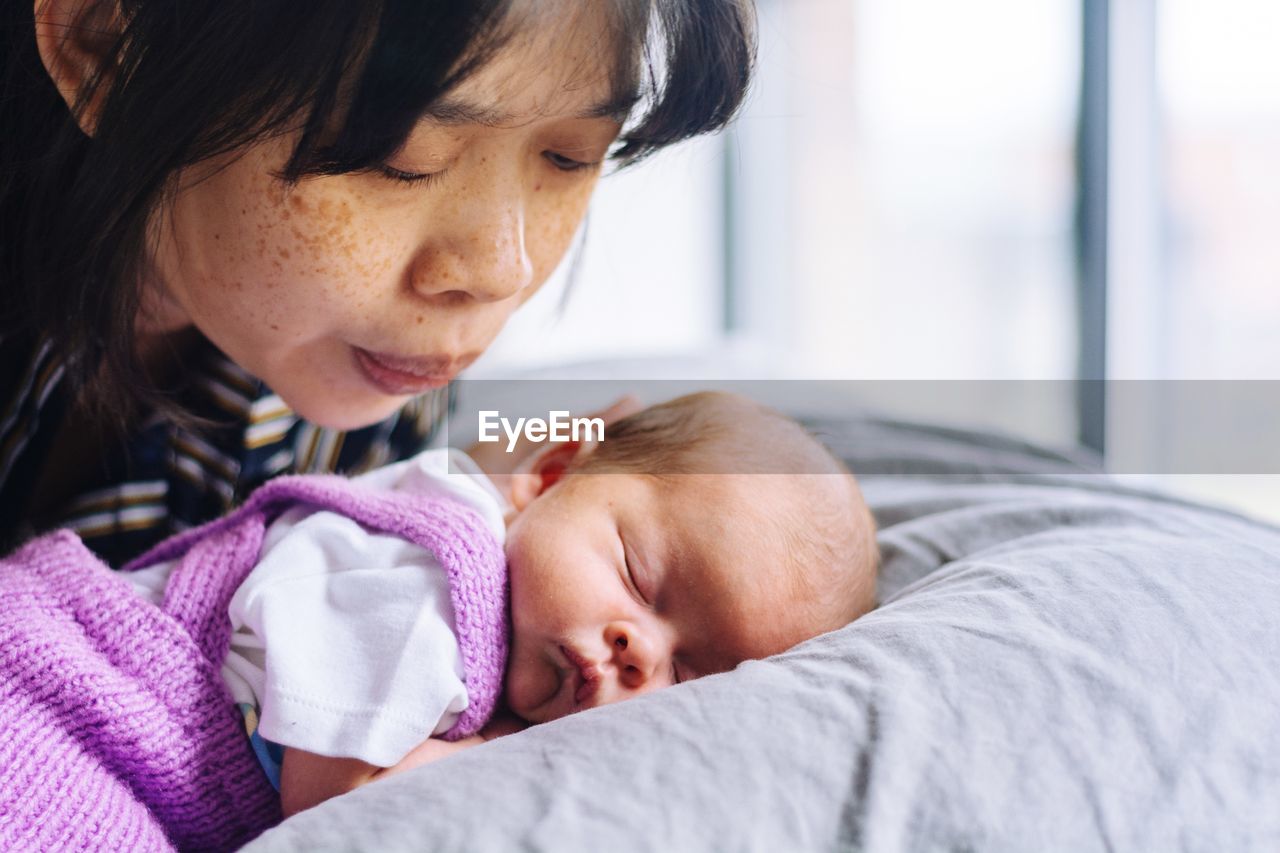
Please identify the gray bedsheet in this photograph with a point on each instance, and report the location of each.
(1058, 663)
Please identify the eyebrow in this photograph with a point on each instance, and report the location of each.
(454, 112)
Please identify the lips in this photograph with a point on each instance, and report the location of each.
(587, 681)
(398, 376)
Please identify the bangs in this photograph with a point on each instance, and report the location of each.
(418, 53)
(679, 69)
(696, 63)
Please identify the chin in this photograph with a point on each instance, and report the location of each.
(346, 415)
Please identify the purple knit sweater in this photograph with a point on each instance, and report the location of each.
(116, 730)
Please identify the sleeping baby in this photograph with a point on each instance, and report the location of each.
(378, 627)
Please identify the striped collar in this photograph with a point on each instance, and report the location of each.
(172, 477)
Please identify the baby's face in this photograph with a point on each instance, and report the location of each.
(622, 584)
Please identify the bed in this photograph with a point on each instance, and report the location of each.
(1058, 662)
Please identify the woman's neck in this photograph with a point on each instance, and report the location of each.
(161, 355)
(163, 331)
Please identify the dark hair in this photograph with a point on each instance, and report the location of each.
(200, 78)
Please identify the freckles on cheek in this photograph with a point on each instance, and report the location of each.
(557, 223)
(327, 232)
(315, 237)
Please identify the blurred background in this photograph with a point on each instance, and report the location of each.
(992, 190)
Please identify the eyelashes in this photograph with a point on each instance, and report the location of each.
(426, 179)
(631, 578)
(568, 164)
(411, 178)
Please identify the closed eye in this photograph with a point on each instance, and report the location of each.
(631, 577)
(415, 178)
(567, 164)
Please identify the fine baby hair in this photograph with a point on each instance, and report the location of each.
(829, 526)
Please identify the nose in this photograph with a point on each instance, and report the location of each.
(637, 656)
(482, 258)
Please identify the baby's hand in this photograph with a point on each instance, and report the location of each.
(431, 749)
(307, 779)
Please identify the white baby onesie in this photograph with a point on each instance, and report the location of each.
(343, 639)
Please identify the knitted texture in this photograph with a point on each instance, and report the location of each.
(116, 730)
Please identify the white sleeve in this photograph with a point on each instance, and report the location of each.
(360, 656)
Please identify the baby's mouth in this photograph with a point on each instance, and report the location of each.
(585, 675)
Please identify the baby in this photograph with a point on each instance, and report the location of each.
(700, 533)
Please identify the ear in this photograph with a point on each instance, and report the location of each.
(76, 40)
(543, 470)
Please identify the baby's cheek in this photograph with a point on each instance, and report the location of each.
(529, 684)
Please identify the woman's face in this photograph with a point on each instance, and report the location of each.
(347, 294)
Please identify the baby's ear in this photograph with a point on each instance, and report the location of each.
(543, 470)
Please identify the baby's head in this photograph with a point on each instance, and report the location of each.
(700, 533)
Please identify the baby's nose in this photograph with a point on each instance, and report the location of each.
(634, 656)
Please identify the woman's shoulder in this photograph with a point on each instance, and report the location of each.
(24, 357)
(30, 415)
(30, 370)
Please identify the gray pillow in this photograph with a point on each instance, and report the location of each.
(1058, 663)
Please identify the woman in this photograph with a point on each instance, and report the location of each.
(239, 239)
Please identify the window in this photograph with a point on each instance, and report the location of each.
(1195, 197)
(900, 201)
